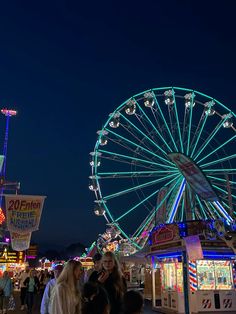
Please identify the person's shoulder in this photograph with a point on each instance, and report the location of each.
(51, 283)
(94, 276)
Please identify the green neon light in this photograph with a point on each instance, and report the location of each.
(159, 134)
(137, 187)
(219, 160)
(215, 150)
(166, 125)
(220, 170)
(190, 122)
(201, 206)
(150, 140)
(199, 135)
(133, 173)
(134, 158)
(222, 180)
(210, 138)
(142, 148)
(177, 119)
(225, 192)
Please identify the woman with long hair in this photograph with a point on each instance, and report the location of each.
(113, 281)
(65, 295)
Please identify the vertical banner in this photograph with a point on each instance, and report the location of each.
(193, 247)
(20, 242)
(23, 212)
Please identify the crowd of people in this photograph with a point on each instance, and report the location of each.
(69, 290)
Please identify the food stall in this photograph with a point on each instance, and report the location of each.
(203, 284)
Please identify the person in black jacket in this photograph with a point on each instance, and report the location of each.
(94, 299)
(32, 286)
(113, 281)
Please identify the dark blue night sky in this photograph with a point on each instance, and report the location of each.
(65, 65)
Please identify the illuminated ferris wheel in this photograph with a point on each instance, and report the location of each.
(164, 155)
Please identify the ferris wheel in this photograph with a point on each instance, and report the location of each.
(164, 155)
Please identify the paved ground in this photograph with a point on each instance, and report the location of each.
(147, 308)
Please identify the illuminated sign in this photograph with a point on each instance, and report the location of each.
(194, 176)
(12, 257)
(164, 234)
(32, 251)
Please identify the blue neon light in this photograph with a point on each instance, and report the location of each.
(177, 201)
(223, 211)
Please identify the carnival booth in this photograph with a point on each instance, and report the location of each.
(197, 274)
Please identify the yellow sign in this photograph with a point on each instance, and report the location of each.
(11, 257)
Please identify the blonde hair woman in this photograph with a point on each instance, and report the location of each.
(113, 281)
(65, 295)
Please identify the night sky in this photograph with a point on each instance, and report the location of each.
(65, 65)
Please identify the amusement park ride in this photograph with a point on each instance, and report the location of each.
(163, 169)
(165, 154)
(4, 184)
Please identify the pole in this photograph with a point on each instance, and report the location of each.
(185, 280)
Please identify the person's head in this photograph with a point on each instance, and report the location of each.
(112, 266)
(94, 299)
(133, 302)
(32, 273)
(27, 270)
(71, 273)
(57, 270)
(109, 262)
(5, 274)
(97, 260)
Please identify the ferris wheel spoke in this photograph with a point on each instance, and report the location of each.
(143, 225)
(218, 161)
(182, 210)
(203, 211)
(223, 191)
(135, 151)
(190, 123)
(218, 148)
(141, 141)
(199, 133)
(177, 120)
(164, 120)
(141, 202)
(157, 120)
(122, 192)
(136, 206)
(144, 135)
(214, 132)
(153, 126)
(220, 171)
(136, 160)
(133, 174)
(140, 147)
(223, 212)
(222, 180)
(214, 209)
